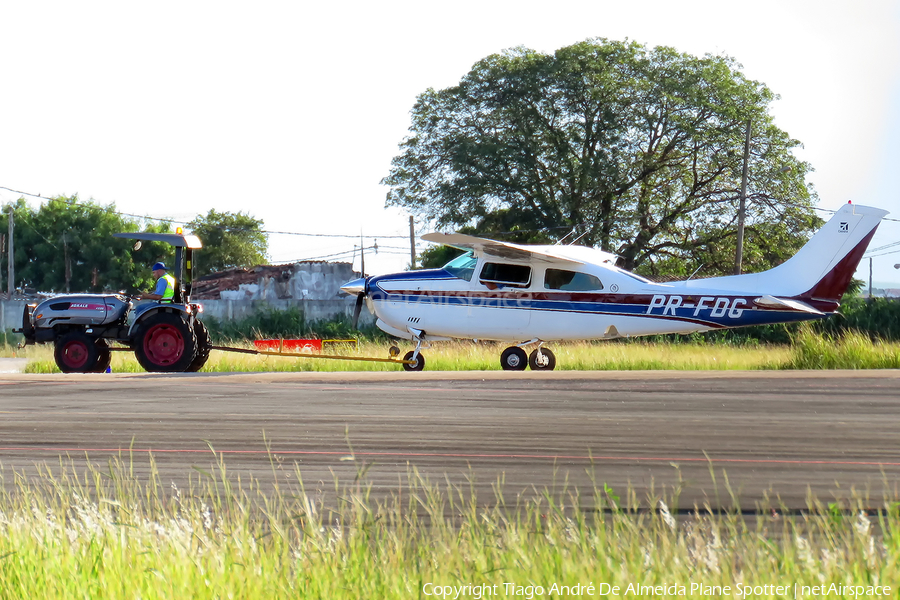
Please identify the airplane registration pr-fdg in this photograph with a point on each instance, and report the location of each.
(532, 294)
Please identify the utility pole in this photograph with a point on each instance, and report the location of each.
(362, 256)
(68, 266)
(412, 244)
(11, 270)
(739, 253)
(870, 278)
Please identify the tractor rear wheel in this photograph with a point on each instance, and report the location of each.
(165, 343)
(204, 346)
(75, 352)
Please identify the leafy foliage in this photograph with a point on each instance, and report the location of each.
(67, 245)
(639, 149)
(229, 240)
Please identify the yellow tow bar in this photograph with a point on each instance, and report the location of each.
(397, 361)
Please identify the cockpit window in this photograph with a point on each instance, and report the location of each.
(506, 274)
(572, 281)
(463, 266)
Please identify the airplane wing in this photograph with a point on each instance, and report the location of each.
(501, 249)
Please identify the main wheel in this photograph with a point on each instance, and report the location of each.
(75, 352)
(204, 346)
(541, 359)
(416, 366)
(104, 356)
(513, 359)
(165, 343)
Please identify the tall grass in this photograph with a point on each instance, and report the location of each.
(851, 350)
(809, 350)
(104, 533)
(468, 356)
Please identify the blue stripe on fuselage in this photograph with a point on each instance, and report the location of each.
(742, 316)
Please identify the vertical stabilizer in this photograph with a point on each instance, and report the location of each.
(822, 269)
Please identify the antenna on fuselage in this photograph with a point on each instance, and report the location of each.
(578, 238)
(695, 272)
(563, 238)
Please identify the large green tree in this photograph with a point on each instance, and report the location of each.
(229, 240)
(639, 149)
(66, 245)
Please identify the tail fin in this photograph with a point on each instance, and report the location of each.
(823, 268)
(857, 226)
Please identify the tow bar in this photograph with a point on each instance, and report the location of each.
(281, 352)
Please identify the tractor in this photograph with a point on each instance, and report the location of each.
(164, 336)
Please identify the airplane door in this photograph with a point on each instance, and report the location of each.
(501, 304)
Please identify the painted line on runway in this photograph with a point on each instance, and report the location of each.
(586, 458)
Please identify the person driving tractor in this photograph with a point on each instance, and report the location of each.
(165, 285)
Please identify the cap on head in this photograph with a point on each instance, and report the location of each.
(159, 266)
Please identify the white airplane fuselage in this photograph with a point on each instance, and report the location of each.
(509, 292)
(443, 306)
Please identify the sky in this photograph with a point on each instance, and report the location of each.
(292, 111)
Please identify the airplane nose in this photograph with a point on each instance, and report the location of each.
(357, 286)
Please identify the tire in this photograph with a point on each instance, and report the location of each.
(75, 352)
(545, 362)
(104, 356)
(28, 323)
(419, 364)
(204, 346)
(165, 343)
(513, 359)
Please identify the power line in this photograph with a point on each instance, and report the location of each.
(175, 221)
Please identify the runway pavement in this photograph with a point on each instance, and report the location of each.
(776, 434)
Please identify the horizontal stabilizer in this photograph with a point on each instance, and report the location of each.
(785, 304)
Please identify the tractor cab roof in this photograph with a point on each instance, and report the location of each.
(178, 240)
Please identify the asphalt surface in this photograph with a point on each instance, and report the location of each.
(761, 435)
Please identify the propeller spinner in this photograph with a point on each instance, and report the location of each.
(358, 287)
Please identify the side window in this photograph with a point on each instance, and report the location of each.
(572, 281)
(505, 274)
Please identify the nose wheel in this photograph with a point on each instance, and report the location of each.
(418, 361)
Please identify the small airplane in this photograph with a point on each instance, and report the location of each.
(533, 294)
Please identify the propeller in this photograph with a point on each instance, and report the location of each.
(358, 287)
(360, 297)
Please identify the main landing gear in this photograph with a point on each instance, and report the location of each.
(514, 358)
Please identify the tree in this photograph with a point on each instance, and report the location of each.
(639, 149)
(229, 240)
(66, 245)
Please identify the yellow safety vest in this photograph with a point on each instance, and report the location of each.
(169, 294)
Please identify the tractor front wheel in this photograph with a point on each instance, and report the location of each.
(165, 343)
(75, 352)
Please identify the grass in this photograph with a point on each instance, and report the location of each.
(467, 356)
(848, 351)
(104, 533)
(809, 350)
